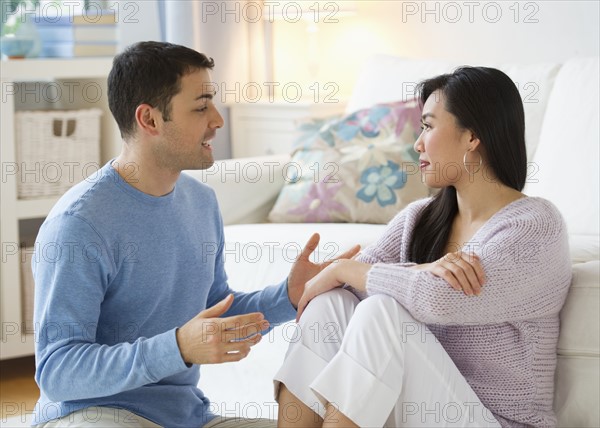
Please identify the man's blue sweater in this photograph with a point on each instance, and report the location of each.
(117, 271)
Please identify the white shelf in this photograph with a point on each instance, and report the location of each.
(21, 345)
(34, 208)
(51, 68)
(16, 342)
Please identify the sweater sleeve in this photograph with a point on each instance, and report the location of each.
(72, 270)
(525, 258)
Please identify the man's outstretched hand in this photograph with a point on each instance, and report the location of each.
(208, 339)
(304, 270)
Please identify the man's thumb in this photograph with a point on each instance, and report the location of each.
(218, 309)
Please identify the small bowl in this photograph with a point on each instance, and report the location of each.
(15, 46)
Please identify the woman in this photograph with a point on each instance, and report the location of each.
(417, 351)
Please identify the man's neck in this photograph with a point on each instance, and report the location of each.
(143, 173)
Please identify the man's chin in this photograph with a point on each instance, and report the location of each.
(203, 164)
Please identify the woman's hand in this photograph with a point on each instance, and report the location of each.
(304, 270)
(461, 270)
(346, 271)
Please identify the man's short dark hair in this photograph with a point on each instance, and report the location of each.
(149, 73)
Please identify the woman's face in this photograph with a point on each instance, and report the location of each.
(441, 145)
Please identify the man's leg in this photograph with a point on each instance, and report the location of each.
(228, 422)
(95, 417)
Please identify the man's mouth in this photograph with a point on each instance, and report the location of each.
(208, 141)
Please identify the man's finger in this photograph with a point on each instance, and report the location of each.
(310, 246)
(243, 332)
(352, 253)
(243, 321)
(218, 309)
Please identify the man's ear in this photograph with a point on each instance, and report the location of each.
(146, 118)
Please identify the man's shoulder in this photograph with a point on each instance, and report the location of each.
(90, 196)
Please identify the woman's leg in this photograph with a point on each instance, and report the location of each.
(317, 340)
(392, 371)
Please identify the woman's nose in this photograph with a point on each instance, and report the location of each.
(418, 146)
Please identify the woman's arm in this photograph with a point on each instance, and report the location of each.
(527, 268)
(523, 262)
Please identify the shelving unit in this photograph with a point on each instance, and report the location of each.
(15, 339)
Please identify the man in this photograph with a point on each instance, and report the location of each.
(127, 264)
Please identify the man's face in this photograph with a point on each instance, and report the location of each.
(194, 119)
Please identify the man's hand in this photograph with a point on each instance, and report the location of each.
(207, 339)
(304, 270)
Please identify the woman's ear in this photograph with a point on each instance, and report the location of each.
(146, 119)
(473, 141)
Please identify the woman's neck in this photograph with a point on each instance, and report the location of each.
(480, 199)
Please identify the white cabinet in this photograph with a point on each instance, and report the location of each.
(60, 84)
(266, 128)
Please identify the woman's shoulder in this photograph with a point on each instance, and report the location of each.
(532, 207)
(532, 215)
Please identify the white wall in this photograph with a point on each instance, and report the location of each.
(470, 32)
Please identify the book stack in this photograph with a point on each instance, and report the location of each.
(82, 35)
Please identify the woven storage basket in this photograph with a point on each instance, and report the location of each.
(55, 150)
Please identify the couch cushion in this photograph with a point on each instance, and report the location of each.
(580, 316)
(577, 391)
(578, 369)
(584, 248)
(566, 161)
(256, 184)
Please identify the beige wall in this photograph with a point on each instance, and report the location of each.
(469, 32)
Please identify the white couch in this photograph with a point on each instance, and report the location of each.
(562, 110)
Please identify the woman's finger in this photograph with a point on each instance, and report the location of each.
(470, 275)
(459, 274)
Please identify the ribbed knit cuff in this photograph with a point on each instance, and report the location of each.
(162, 356)
(396, 281)
(276, 305)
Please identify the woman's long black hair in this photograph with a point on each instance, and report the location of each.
(487, 102)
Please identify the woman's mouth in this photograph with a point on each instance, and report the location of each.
(423, 164)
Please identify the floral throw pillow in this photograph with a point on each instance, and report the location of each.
(360, 168)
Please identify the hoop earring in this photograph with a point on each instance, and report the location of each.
(471, 163)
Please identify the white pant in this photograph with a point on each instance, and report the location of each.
(377, 365)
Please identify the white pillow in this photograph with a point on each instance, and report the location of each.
(387, 78)
(565, 166)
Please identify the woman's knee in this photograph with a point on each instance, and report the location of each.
(336, 305)
(380, 308)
